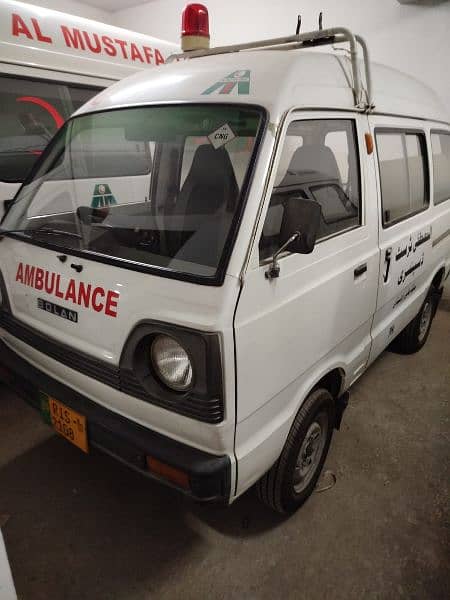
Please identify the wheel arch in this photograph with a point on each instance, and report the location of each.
(333, 381)
(438, 278)
(264, 437)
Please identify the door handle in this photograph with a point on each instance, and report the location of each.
(360, 270)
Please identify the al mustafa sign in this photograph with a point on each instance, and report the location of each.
(48, 33)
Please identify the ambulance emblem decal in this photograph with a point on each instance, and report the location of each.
(102, 196)
(237, 79)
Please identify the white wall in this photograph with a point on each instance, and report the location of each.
(411, 38)
(73, 7)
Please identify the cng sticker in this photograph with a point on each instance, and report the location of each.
(237, 79)
(221, 136)
(102, 196)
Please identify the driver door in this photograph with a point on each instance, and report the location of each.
(317, 314)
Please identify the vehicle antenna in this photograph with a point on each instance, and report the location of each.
(320, 20)
(299, 24)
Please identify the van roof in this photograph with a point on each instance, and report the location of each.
(275, 79)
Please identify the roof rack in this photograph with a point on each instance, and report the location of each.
(320, 37)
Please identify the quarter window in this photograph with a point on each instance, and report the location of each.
(31, 113)
(440, 143)
(403, 174)
(319, 161)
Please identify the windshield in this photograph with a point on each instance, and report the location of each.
(156, 186)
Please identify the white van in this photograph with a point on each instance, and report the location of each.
(51, 63)
(208, 255)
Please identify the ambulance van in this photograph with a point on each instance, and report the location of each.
(207, 256)
(51, 63)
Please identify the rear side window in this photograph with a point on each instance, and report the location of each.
(403, 174)
(31, 112)
(440, 144)
(319, 161)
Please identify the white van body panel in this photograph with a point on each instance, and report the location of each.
(151, 296)
(40, 37)
(161, 299)
(278, 338)
(278, 81)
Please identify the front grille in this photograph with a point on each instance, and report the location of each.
(74, 359)
(202, 409)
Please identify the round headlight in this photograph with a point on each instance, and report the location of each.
(171, 363)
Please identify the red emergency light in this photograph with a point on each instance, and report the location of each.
(195, 27)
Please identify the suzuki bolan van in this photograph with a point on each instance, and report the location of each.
(51, 63)
(207, 256)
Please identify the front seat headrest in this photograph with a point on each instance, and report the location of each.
(311, 164)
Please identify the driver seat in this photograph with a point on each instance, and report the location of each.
(210, 185)
(211, 193)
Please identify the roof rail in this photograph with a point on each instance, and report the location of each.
(320, 37)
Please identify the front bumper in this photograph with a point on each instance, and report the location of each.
(129, 442)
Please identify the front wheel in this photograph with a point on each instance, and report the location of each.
(292, 479)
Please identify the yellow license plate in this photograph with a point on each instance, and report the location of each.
(69, 423)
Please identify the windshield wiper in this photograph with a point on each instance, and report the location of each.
(33, 232)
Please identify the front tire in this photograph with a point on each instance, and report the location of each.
(292, 479)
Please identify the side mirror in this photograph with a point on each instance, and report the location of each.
(299, 228)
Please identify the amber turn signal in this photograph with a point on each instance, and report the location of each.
(369, 142)
(175, 476)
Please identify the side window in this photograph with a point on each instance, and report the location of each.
(31, 112)
(403, 174)
(319, 161)
(291, 144)
(337, 142)
(440, 144)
